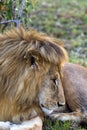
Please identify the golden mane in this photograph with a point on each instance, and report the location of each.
(50, 48)
(25, 56)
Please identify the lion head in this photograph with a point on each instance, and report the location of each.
(51, 95)
(27, 58)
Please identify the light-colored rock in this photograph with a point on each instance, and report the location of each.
(33, 124)
(4, 125)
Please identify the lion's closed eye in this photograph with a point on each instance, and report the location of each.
(55, 83)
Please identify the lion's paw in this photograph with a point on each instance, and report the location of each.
(60, 116)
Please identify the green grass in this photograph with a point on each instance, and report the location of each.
(59, 125)
(67, 20)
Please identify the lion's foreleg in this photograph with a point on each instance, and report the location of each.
(73, 116)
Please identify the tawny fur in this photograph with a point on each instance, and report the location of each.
(25, 58)
(74, 82)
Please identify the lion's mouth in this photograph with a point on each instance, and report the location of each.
(46, 110)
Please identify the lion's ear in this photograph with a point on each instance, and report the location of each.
(32, 60)
(33, 57)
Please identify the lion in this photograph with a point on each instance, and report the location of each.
(74, 83)
(26, 60)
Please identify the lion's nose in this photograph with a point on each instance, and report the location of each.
(60, 104)
(42, 105)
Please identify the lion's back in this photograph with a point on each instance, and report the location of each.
(75, 85)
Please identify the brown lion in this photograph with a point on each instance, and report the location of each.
(26, 60)
(74, 83)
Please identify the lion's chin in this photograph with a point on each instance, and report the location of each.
(46, 110)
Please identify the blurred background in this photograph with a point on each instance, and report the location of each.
(64, 19)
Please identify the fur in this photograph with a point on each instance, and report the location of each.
(25, 57)
(74, 83)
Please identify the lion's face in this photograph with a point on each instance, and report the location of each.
(51, 95)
